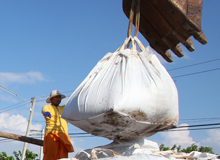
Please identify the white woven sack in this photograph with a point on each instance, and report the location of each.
(128, 94)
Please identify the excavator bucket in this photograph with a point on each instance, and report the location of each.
(166, 23)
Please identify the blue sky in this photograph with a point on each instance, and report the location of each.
(53, 44)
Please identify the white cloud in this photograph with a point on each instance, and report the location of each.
(177, 137)
(183, 138)
(213, 140)
(15, 124)
(29, 77)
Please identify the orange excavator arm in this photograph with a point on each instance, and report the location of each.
(166, 23)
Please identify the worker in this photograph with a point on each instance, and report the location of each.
(57, 143)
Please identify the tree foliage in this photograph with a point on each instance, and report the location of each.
(4, 156)
(189, 149)
(28, 156)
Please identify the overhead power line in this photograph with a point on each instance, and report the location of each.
(6, 140)
(192, 119)
(15, 95)
(196, 73)
(193, 129)
(179, 128)
(77, 133)
(10, 108)
(194, 64)
(14, 125)
(199, 120)
(200, 125)
(81, 136)
(12, 105)
(48, 95)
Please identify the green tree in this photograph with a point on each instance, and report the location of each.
(174, 147)
(29, 156)
(189, 149)
(205, 149)
(178, 148)
(17, 155)
(162, 148)
(4, 156)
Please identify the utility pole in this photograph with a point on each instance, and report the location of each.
(42, 140)
(41, 148)
(28, 127)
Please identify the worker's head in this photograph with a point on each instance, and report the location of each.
(55, 98)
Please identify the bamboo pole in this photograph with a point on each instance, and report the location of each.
(21, 138)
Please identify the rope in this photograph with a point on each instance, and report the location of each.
(135, 9)
(131, 18)
(137, 19)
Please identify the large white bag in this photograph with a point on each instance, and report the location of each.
(128, 94)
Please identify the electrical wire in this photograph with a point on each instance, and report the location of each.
(175, 129)
(38, 121)
(61, 92)
(77, 133)
(6, 140)
(190, 127)
(192, 119)
(199, 120)
(195, 121)
(44, 100)
(5, 109)
(81, 136)
(194, 64)
(74, 134)
(15, 125)
(179, 128)
(200, 125)
(193, 129)
(11, 108)
(196, 73)
(3, 139)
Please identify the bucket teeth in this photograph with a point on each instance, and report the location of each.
(167, 23)
(189, 44)
(164, 53)
(168, 56)
(178, 51)
(200, 36)
(175, 48)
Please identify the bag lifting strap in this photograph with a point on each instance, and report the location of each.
(135, 9)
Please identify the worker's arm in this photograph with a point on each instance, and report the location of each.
(46, 112)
